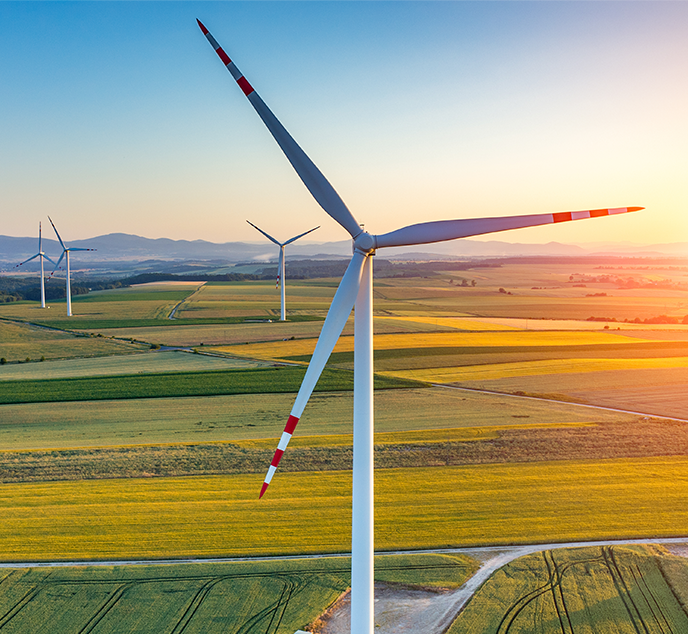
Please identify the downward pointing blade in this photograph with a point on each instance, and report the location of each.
(305, 233)
(427, 232)
(339, 312)
(267, 235)
(311, 176)
(58, 262)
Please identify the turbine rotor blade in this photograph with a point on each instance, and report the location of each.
(58, 262)
(56, 233)
(267, 235)
(33, 257)
(279, 268)
(441, 230)
(339, 312)
(79, 249)
(312, 177)
(305, 233)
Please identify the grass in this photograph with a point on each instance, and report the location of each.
(232, 418)
(175, 384)
(20, 341)
(278, 597)
(419, 508)
(619, 589)
(142, 363)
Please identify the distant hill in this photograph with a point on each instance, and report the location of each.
(126, 248)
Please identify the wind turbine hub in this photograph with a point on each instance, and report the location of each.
(364, 242)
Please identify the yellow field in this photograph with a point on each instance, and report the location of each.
(310, 512)
(516, 338)
(536, 368)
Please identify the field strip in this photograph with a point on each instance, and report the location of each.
(137, 363)
(518, 338)
(492, 371)
(551, 400)
(416, 509)
(482, 553)
(460, 323)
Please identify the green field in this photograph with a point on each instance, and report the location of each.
(625, 590)
(274, 597)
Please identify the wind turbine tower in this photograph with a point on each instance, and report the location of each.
(281, 266)
(356, 289)
(42, 256)
(65, 254)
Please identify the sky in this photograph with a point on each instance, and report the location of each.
(119, 117)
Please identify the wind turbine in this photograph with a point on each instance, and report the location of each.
(65, 254)
(356, 289)
(42, 256)
(281, 266)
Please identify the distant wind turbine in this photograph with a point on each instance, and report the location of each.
(281, 265)
(42, 256)
(356, 288)
(65, 254)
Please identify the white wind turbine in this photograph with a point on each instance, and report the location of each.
(42, 256)
(356, 289)
(65, 254)
(281, 265)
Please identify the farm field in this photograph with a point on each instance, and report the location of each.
(610, 588)
(232, 418)
(309, 512)
(276, 597)
(149, 362)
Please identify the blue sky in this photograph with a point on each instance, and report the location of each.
(119, 117)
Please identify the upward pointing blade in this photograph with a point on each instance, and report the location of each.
(267, 235)
(57, 234)
(311, 176)
(441, 230)
(339, 312)
(305, 233)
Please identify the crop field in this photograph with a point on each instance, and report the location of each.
(275, 597)
(260, 380)
(149, 362)
(309, 512)
(19, 342)
(231, 418)
(602, 589)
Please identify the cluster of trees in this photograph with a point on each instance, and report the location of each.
(660, 319)
(15, 289)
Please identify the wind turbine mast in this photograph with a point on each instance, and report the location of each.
(41, 256)
(356, 289)
(281, 266)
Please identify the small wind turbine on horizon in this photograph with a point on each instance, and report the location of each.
(65, 255)
(356, 288)
(42, 256)
(281, 267)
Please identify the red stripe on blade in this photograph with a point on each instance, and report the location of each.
(263, 490)
(205, 31)
(291, 425)
(277, 457)
(598, 213)
(245, 86)
(223, 56)
(634, 208)
(564, 216)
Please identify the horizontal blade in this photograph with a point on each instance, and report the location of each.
(311, 176)
(80, 249)
(305, 233)
(29, 260)
(57, 234)
(428, 232)
(267, 235)
(339, 312)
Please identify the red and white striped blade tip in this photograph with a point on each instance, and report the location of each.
(263, 489)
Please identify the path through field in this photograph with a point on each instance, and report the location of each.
(403, 611)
